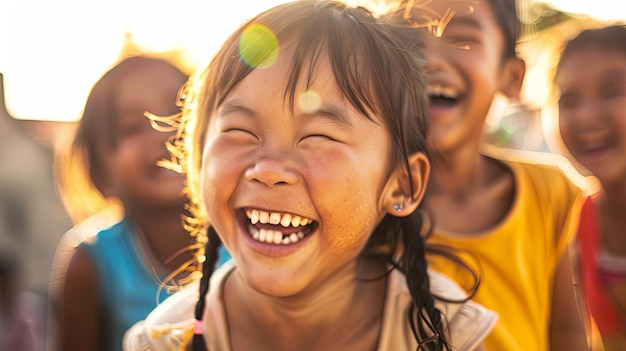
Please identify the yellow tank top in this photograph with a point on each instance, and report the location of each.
(519, 256)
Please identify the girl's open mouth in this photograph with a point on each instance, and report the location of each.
(278, 228)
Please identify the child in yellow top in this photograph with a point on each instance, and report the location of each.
(514, 217)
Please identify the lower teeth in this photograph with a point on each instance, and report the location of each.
(274, 236)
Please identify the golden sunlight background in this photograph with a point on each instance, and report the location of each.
(51, 52)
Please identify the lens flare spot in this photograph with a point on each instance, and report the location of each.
(258, 46)
(309, 101)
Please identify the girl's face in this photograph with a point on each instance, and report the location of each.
(134, 175)
(293, 195)
(592, 111)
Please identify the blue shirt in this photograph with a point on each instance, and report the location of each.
(129, 288)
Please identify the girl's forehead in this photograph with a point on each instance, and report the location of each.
(303, 78)
(314, 90)
(597, 55)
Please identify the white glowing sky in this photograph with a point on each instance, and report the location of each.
(51, 52)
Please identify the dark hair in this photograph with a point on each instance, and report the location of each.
(505, 13)
(380, 72)
(609, 38)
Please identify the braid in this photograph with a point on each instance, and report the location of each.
(422, 312)
(211, 258)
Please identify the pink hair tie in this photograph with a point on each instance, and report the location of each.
(198, 328)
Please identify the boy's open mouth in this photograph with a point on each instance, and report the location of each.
(278, 228)
(442, 96)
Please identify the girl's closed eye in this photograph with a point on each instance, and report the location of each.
(613, 90)
(316, 141)
(236, 130)
(329, 124)
(239, 136)
(323, 137)
(130, 126)
(325, 129)
(235, 122)
(567, 101)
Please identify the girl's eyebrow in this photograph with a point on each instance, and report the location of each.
(336, 114)
(234, 106)
(614, 75)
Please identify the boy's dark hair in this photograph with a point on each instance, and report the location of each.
(609, 38)
(504, 11)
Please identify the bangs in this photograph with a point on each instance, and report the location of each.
(359, 64)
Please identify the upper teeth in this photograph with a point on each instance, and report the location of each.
(284, 219)
(440, 90)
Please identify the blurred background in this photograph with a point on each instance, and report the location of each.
(52, 52)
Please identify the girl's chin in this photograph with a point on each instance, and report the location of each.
(272, 282)
(595, 158)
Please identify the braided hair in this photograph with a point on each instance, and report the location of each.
(212, 255)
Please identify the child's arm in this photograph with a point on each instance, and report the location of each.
(80, 319)
(567, 331)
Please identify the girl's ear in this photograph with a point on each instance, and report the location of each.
(405, 192)
(513, 78)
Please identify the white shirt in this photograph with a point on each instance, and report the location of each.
(170, 326)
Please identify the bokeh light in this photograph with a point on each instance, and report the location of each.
(309, 101)
(258, 46)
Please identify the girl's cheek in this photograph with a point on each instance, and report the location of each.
(565, 131)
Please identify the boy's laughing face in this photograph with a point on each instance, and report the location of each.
(464, 48)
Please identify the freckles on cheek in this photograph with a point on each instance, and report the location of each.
(214, 174)
(210, 177)
(208, 190)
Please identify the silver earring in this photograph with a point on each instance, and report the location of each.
(397, 207)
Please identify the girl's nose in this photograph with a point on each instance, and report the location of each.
(590, 113)
(271, 172)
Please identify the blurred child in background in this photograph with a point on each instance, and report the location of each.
(115, 278)
(515, 217)
(591, 83)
